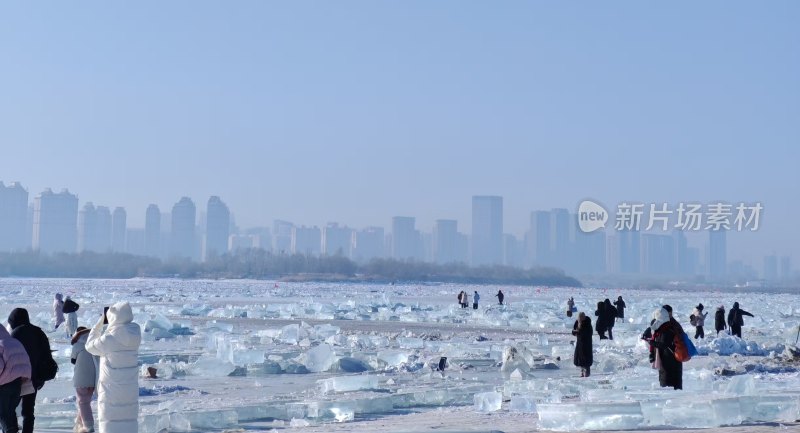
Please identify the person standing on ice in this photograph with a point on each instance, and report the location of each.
(475, 299)
(58, 311)
(37, 345)
(84, 379)
(500, 296)
(118, 386)
(71, 310)
(601, 326)
(570, 306)
(582, 329)
(620, 304)
(719, 319)
(15, 367)
(699, 321)
(611, 317)
(736, 319)
(664, 329)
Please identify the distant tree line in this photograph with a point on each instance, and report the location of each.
(260, 264)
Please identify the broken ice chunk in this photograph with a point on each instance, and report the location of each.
(488, 401)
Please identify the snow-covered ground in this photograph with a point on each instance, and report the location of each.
(258, 356)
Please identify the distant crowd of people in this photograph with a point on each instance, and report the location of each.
(105, 360)
(463, 299)
(669, 345)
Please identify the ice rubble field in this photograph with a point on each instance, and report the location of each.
(266, 355)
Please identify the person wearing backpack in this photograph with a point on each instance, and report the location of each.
(71, 310)
(719, 319)
(698, 320)
(664, 330)
(736, 319)
(38, 348)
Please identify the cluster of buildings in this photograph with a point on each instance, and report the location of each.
(54, 223)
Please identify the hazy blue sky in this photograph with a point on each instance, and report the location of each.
(358, 111)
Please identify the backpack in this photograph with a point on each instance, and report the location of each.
(70, 306)
(684, 348)
(692, 320)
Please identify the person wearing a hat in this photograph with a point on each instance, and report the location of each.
(699, 321)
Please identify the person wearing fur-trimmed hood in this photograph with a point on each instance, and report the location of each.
(118, 386)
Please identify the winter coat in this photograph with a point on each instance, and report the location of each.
(84, 373)
(736, 316)
(14, 361)
(719, 319)
(620, 304)
(476, 298)
(611, 314)
(670, 372)
(58, 310)
(583, 344)
(699, 317)
(33, 339)
(118, 387)
(602, 321)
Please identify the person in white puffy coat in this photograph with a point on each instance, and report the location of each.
(118, 386)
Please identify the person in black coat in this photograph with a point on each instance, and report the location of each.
(38, 347)
(601, 326)
(664, 329)
(500, 296)
(736, 319)
(620, 304)
(719, 319)
(611, 317)
(582, 329)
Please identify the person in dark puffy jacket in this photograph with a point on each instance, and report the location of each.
(15, 367)
(664, 329)
(601, 326)
(620, 304)
(719, 319)
(38, 348)
(736, 319)
(582, 329)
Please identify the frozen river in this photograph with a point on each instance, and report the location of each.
(260, 356)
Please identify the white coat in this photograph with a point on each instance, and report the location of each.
(84, 374)
(118, 386)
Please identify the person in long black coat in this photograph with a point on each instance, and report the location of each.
(664, 329)
(736, 319)
(620, 304)
(601, 320)
(719, 319)
(37, 345)
(611, 317)
(582, 329)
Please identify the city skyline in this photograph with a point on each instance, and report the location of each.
(553, 238)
